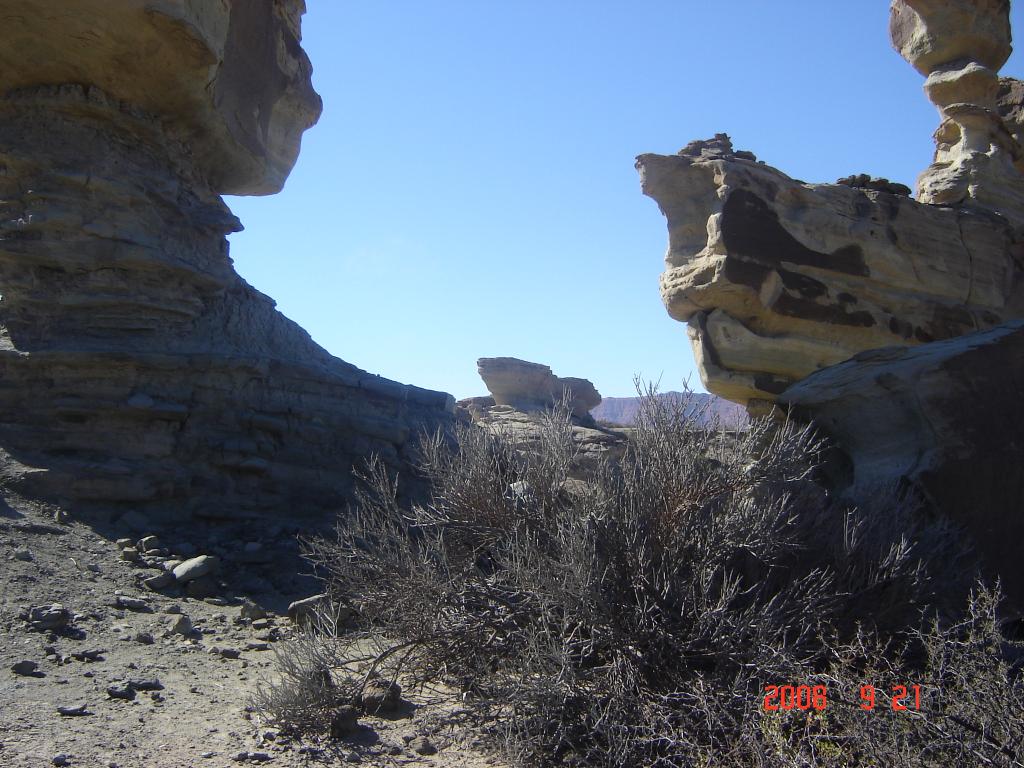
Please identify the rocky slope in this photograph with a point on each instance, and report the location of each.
(97, 668)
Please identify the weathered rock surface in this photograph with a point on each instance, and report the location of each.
(777, 279)
(138, 368)
(960, 46)
(945, 417)
(531, 387)
(593, 443)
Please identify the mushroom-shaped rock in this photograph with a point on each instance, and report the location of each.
(140, 371)
(530, 387)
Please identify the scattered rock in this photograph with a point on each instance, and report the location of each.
(344, 722)
(88, 656)
(121, 690)
(146, 638)
(421, 745)
(381, 696)
(195, 568)
(203, 587)
(24, 555)
(60, 760)
(135, 604)
(252, 611)
(158, 582)
(182, 626)
(229, 653)
(131, 555)
(146, 684)
(148, 543)
(80, 711)
(125, 543)
(47, 618)
(257, 646)
(26, 668)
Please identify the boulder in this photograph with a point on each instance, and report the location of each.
(195, 568)
(531, 387)
(141, 372)
(944, 418)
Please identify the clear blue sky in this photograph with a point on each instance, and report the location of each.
(470, 191)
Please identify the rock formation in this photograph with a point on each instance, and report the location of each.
(960, 46)
(530, 387)
(777, 278)
(521, 391)
(895, 325)
(947, 418)
(138, 368)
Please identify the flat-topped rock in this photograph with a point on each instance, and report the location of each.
(532, 387)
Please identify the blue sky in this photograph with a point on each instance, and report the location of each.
(470, 191)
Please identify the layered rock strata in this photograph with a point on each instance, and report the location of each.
(137, 368)
(530, 387)
(777, 279)
(960, 46)
(944, 417)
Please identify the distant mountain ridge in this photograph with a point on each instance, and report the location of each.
(623, 410)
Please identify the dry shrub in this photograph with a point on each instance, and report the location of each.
(311, 679)
(634, 619)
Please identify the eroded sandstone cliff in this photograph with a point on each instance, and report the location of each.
(777, 278)
(137, 367)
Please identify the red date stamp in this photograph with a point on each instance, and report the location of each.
(803, 697)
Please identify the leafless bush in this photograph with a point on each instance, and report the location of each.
(310, 681)
(635, 619)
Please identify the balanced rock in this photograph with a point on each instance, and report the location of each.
(140, 370)
(531, 387)
(944, 418)
(960, 46)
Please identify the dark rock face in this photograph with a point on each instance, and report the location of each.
(138, 368)
(946, 417)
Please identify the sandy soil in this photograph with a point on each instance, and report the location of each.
(200, 715)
